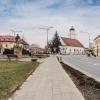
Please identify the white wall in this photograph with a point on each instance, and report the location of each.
(71, 50)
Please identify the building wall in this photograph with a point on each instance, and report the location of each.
(71, 50)
(8, 45)
(96, 45)
(36, 51)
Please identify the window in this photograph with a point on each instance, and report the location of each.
(6, 45)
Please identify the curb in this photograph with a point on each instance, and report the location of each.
(79, 69)
(79, 93)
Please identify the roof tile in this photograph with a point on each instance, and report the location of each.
(72, 42)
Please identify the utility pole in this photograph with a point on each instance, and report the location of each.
(47, 31)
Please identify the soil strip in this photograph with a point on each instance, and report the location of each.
(89, 87)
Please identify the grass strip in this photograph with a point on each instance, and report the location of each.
(12, 75)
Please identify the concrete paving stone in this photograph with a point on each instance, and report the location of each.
(48, 82)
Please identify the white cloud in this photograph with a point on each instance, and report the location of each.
(29, 17)
(90, 1)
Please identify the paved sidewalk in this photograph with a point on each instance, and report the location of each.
(48, 82)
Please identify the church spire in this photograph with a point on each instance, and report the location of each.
(72, 34)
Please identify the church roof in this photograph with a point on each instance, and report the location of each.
(72, 42)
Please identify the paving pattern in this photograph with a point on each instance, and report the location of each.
(48, 82)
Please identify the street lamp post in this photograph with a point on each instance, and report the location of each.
(88, 35)
(47, 31)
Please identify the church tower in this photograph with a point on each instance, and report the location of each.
(72, 34)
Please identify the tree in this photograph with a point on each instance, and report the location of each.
(56, 43)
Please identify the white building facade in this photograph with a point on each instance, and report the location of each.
(71, 45)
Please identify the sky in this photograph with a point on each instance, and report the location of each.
(29, 16)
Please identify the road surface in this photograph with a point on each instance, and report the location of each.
(88, 65)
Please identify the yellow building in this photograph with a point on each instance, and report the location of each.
(8, 42)
(96, 45)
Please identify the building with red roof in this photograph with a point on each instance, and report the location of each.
(9, 41)
(36, 49)
(71, 45)
(72, 42)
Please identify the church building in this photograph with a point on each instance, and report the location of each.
(71, 45)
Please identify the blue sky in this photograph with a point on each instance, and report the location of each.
(29, 15)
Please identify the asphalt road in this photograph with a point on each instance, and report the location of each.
(88, 65)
